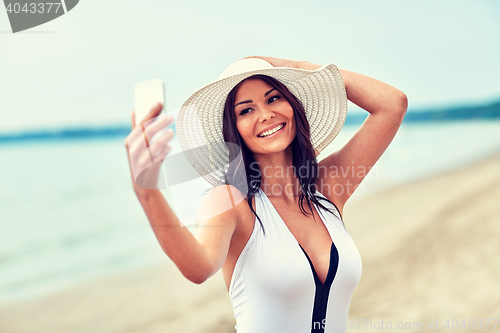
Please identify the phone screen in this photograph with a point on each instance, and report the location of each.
(147, 95)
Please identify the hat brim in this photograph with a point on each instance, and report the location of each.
(199, 121)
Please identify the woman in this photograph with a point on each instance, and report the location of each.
(273, 220)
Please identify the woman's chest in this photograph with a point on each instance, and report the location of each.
(310, 232)
(277, 264)
(307, 229)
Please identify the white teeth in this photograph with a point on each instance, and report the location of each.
(267, 133)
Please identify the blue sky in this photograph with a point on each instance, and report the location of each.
(80, 69)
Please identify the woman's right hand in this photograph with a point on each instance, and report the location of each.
(197, 256)
(145, 157)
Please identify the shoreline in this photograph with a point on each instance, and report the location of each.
(427, 247)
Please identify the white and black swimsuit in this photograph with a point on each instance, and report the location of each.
(274, 287)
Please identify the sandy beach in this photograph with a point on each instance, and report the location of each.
(428, 249)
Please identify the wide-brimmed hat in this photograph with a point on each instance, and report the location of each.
(199, 121)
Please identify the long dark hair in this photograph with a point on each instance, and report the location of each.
(302, 150)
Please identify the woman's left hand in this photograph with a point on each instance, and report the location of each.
(276, 62)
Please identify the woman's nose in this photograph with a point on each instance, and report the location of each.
(265, 114)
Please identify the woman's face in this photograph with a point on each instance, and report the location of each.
(264, 117)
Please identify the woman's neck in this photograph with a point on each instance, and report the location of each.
(278, 175)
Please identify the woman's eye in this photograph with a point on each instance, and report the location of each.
(244, 111)
(273, 99)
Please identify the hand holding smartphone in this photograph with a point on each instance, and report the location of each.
(149, 143)
(147, 95)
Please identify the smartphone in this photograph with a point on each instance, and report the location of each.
(148, 94)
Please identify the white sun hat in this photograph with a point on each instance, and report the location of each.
(199, 122)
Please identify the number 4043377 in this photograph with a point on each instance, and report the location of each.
(14, 7)
(471, 323)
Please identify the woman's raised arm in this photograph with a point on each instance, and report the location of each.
(197, 257)
(200, 256)
(387, 107)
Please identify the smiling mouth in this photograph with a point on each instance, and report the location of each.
(271, 132)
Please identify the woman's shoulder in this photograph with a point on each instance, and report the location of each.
(221, 200)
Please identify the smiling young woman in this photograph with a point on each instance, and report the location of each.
(277, 232)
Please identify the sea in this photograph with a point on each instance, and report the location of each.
(68, 213)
